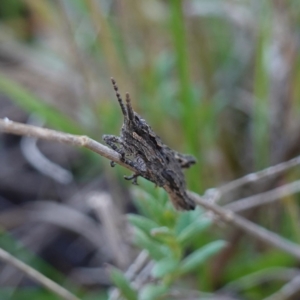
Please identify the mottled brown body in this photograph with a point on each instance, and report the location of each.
(142, 149)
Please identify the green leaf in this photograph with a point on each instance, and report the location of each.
(33, 104)
(164, 267)
(123, 284)
(143, 223)
(186, 218)
(197, 258)
(155, 249)
(152, 292)
(149, 205)
(163, 234)
(192, 231)
(166, 236)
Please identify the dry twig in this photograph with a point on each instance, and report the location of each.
(37, 276)
(132, 272)
(207, 201)
(264, 198)
(9, 126)
(288, 291)
(252, 229)
(261, 277)
(252, 177)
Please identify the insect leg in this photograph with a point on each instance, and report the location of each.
(133, 177)
(140, 166)
(116, 143)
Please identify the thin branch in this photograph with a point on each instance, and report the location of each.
(132, 272)
(252, 229)
(264, 198)
(37, 276)
(288, 291)
(144, 275)
(140, 261)
(206, 202)
(258, 278)
(9, 126)
(273, 170)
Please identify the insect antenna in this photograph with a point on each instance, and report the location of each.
(119, 97)
(129, 107)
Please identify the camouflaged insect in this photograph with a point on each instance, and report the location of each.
(143, 150)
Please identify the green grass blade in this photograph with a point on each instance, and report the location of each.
(197, 258)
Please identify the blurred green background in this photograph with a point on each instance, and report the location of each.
(218, 79)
